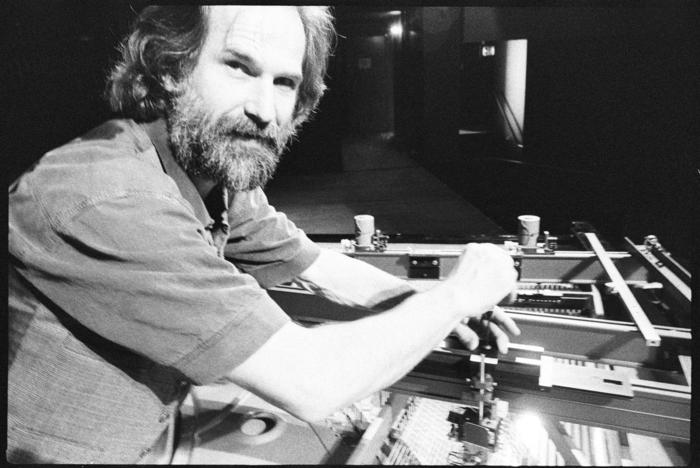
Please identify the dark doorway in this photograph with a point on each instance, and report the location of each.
(369, 63)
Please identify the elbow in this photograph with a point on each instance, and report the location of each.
(310, 414)
(313, 407)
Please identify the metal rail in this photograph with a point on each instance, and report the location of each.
(658, 407)
(655, 412)
(640, 318)
(672, 280)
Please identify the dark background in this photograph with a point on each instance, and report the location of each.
(611, 113)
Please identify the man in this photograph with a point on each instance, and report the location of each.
(119, 293)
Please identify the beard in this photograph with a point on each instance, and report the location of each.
(232, 151)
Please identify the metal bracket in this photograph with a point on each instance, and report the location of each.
(557, 374)
(423, 267)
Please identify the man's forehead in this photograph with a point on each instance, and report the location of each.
(256, 26)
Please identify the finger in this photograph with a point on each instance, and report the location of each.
(503, 319)
(467, 336)
(500, 337)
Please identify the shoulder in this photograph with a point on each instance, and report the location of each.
(115, 142)
(113, 160)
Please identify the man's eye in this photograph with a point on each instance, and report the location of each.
(287, 83)
(236, 65)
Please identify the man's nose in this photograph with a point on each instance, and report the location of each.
(260, 106)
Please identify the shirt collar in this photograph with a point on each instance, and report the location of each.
(158, 133)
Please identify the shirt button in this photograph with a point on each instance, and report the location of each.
(145, 452)
(163, 417)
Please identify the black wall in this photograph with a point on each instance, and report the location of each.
(611, 120)
(617, 96)
(56, 55)
(624, 109)
(611, 105)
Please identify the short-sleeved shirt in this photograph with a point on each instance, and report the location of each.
(125, 287)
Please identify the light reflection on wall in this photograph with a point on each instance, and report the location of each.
(510, 76)
(396, 30)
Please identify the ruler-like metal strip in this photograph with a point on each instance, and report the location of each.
(640, 319)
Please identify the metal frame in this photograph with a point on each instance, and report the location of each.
(659, 405)
(651, 411)
(674, 283)
(650, 335)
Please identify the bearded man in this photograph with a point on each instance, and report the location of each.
(140, 252)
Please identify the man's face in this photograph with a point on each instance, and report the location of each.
(231, 117)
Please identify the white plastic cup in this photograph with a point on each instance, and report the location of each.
(364, 228)
(528, 230)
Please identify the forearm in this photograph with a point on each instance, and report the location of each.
(337, 364)
(386, 346)
(352, 282)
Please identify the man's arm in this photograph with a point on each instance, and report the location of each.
(352, 282)
(355, 283)
(310, 372)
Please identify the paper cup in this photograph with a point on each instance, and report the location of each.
(528, 230)
(364, 228)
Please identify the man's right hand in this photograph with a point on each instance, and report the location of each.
(483, 276)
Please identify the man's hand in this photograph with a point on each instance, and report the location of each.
(483, 276)
(498, 322)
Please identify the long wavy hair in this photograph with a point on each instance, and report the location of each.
(165, 42)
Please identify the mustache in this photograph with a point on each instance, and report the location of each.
(273, 137)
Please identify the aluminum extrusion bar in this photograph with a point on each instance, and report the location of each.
(640, 319)
(596, 339)
(560, 266)
(668, 275)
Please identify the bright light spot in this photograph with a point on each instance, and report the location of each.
(488, 50)
(396, 30)
(528, 428)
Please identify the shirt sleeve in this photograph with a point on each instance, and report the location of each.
(264, 242)
(137, 270)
